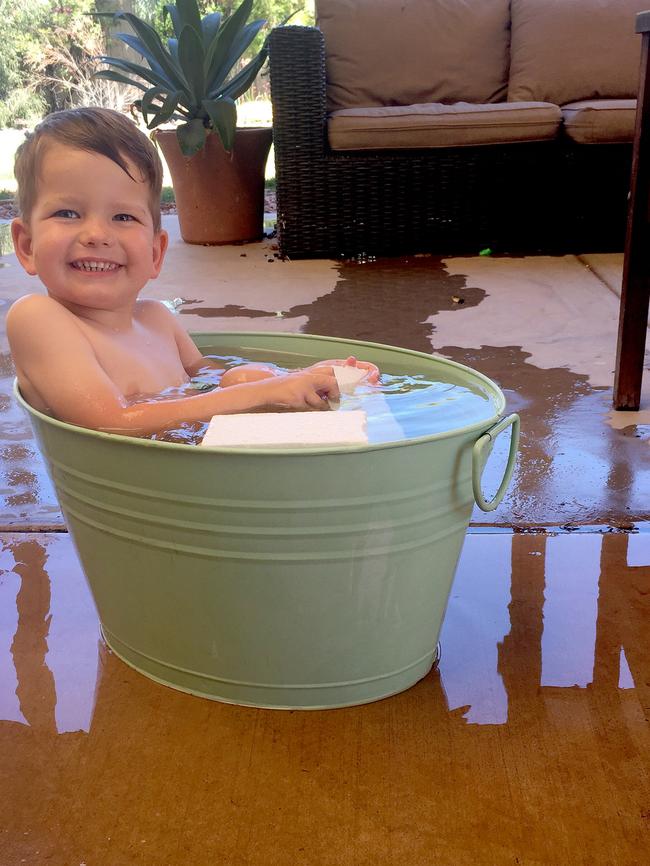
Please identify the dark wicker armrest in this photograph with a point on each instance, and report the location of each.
(297, 66)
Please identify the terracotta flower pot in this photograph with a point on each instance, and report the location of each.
(219, 195)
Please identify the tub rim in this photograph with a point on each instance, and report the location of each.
(494, 391)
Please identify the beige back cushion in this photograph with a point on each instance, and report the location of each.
(569, 50)
(401, 52)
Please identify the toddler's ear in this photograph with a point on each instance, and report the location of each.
(22, 239)
(160, 244)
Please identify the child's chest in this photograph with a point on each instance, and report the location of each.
(141, 361)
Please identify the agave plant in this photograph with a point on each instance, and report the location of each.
(190, 79)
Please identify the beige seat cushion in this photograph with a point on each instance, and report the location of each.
(400, 52)
(569, 50)
(600, 121)
(437, 125)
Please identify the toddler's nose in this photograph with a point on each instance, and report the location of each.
(95, 233)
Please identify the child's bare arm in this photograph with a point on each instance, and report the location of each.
(66, 377)
(299, 391)
(192, 360)
(191, 357)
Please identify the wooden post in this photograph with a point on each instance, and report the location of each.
(635, 290)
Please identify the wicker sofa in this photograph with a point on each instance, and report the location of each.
(449, 126)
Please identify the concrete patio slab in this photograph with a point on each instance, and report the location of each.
(542, 327)
(529, 745)
(530, 742)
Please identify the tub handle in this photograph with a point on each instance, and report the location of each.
(480, 453)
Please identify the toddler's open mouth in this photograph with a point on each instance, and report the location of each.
(95, 266)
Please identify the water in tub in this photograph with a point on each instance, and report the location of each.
(401, 406)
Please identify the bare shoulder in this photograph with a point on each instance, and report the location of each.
(150, 310)
(29, 310)
(33, 304)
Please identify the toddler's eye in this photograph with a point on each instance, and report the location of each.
(67, 213)
(123, 217)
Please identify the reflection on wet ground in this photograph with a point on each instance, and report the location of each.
(530, 744)
(573, 467)
(27, 498)
(386, 301)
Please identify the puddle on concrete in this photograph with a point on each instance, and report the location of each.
(527, 613)
(27, 497)
(542, 684)
(572, 467)
(230, 311)
(535, 618)
(389, 301)
(384, 301)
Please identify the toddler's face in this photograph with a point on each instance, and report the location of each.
(90, 238)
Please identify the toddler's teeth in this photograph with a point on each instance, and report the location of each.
(95, 266)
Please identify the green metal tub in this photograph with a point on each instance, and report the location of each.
(303, 578)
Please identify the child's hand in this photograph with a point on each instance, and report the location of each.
(307, 389)
(372, 369)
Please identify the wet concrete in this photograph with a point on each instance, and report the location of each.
(565, 445)
(529, 745)
(598, 475)
(376, 301)
(385, 301)
(27, 498)
(543, 328)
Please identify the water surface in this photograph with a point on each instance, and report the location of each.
(401, 406)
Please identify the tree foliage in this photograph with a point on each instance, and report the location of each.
(48, 46)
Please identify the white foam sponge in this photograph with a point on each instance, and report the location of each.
(287, 429)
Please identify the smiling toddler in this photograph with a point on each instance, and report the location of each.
(90, 351)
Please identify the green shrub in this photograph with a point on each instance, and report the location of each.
(21, 107)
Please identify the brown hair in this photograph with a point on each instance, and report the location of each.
(97, 130)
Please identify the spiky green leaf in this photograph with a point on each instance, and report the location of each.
(109, 75)
(152, 42)
(147, 74)
(191, 136)
(173, 13)
(239, 46)
(190, 15)
(138, 46)
(146, 103)
(190, 58)
(166, 111)
(240, 83)
(210, 27)
(223, 117)
(220, 50)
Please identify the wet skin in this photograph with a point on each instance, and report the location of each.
(87, 348)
